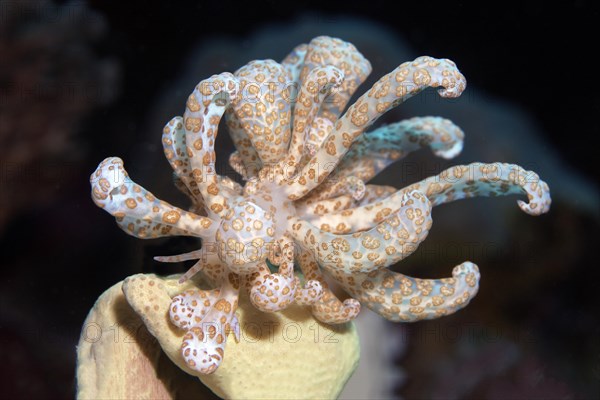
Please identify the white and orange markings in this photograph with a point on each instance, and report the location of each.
(388, 92)
(208, 317)
(324, 51)
(306, 198)
(259, 122)
(139, 212)
(372, 152)
(317, 86)
(389, 241)
(328, 308)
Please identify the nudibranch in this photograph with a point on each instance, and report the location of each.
(306, 161)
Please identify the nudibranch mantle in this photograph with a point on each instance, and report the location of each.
(306, 200)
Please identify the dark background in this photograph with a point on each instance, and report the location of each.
(59, 252)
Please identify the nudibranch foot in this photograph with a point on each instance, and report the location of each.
(272, 292)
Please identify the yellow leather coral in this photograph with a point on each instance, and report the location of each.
(119, 357)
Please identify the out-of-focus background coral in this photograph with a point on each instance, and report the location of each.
(83, 81)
